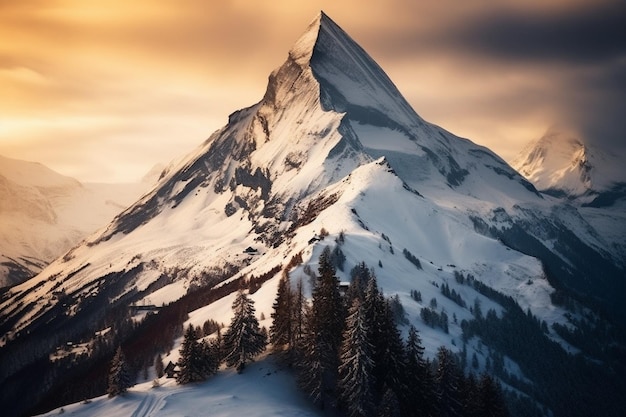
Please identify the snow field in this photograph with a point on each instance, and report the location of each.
(264, 389)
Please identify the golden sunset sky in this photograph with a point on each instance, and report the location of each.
(102, 90)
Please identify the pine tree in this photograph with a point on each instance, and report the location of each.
(414, 348)
(159, 366)
(281, 328)
(218, 347)
(389, 405)
(374, 305)
(210, 357)
(464, 391)
(244, 339)
(393, 354)
(375, 314)
(192, 361)
(490, 399)
(119, 375)
(312, 377)
(298, 309)
(447, 384)
(471, 408)
(359, 277)
(417, 399)
(356, 380)
(324, 327)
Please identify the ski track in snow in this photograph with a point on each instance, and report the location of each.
(262, 390)
(149, 405)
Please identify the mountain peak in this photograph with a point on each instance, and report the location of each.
(554, 162)
(302, 50)
(350, 80)
(562, 162)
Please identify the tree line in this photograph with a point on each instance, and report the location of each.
(243, 340)
(346, 351)
(349, 355)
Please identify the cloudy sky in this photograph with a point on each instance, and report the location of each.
(101, 90)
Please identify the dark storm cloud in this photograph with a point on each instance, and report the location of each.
(581, 35)
(600, 106)
(582, 49)
(570, 57)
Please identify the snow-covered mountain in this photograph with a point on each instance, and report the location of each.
(332, 150)
(562, 164)
(43, 214)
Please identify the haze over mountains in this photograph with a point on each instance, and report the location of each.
(43, 214)
(561, 163)
(334, 156)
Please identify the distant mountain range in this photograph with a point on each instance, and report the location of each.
(43, 214)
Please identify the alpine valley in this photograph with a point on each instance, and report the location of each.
(524, 285)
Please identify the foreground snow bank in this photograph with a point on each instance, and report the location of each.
(263, 389)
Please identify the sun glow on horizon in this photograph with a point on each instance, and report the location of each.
(109, 76)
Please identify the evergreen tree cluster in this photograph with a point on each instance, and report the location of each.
(243, 341)
(209, 327)
(198, 360)
(453, 295)
(349, 354)
(598, 389)
(397, 309)
(416, 295)
(434, 319)
(412, 258)
(321, 339)
(521, 336)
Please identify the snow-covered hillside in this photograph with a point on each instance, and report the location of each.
(43, 214)
(266, 389)
(331, 150)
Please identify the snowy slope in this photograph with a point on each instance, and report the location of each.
(263, 390)
(43, 214)
(332, 145)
